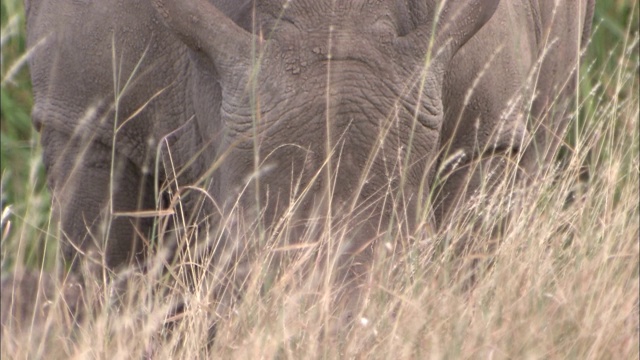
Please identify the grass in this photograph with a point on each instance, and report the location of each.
(563, 280)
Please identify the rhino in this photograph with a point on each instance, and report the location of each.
(370, 115)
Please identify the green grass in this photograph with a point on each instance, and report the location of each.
(24, 194)
(566, 289)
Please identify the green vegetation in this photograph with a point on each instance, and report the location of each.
(567, 289)
(24, 195)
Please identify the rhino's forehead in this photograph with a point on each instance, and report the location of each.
(318, 15)
(320, 5)
(320, 10)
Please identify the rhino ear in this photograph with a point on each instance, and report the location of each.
(449, 25)
(460, 20)
(203, 27)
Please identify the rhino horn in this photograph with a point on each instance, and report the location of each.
(202, 27)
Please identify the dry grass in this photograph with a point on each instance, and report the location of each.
(561, 280)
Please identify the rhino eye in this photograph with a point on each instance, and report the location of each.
(287, 19)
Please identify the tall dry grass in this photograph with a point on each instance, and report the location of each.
(561, 280)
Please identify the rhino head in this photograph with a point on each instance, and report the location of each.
(326, 107)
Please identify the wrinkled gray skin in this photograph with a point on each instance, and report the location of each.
(203, 103)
